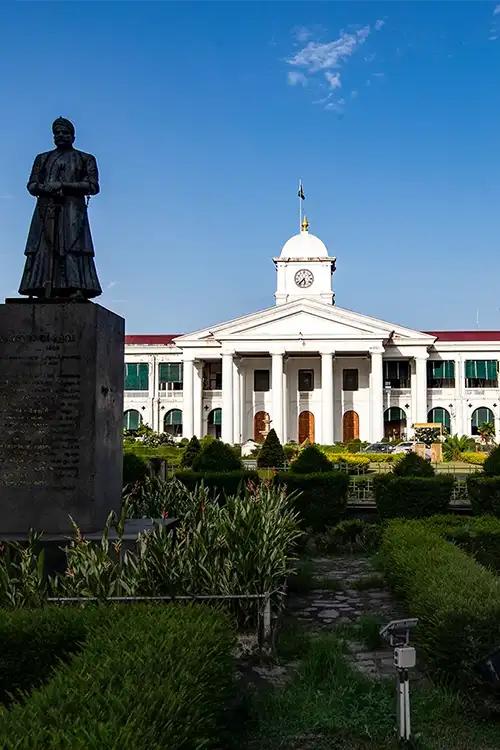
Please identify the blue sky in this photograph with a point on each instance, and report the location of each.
(204, 115)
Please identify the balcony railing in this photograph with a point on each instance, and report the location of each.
(136, 394)
(170, 394)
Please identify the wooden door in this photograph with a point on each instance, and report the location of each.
(306, 426)
(350, 426)
(260, 426)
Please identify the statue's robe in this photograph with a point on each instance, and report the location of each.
(59, 250)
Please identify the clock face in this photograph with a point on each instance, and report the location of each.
(304, 278)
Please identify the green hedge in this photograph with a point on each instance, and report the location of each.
(412, 497)
(484, 494)
(222, 482)
(33, 642)
(323, 497)
(479, 536)
(148, 678)
(456, 600)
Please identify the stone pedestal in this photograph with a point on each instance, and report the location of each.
(61, 415)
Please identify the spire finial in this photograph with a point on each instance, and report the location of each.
(305, 224)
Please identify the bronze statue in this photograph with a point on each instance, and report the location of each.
(59, 250)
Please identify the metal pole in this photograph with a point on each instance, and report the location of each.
(403, 705)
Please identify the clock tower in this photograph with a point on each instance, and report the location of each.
(304, 269)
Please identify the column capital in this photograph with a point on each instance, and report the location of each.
(327, 352)
(376, 350)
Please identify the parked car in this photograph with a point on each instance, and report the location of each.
(378, 448)
(406, 447)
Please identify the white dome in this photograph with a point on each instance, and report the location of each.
(304, 245)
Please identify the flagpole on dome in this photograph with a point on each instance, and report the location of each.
(302, 197)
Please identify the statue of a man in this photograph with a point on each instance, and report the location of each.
(59, 250)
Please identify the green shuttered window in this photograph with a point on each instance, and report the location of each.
(215, 417)
(137, 376)
(440, 416)
(444, 369)
(170, 372)
(483, 369)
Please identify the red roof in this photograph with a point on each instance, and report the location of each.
(465, 335)
(151, 338)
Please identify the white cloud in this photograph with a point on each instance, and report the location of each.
(378, 75)
(296, 79)
(496, 10)
(354, 94)
(379, 24)
(317, 56)
(333, 79)
(302, 33)
(111, 284)
(335, 106)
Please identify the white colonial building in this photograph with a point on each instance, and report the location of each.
(310, 369)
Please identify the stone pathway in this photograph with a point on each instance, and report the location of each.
(339, 602)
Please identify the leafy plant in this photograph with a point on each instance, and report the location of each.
(192, 450)
(413, 465)
(492, 463)
(352, 535)
(311, 460)
(272, 454)
(216, 456)
(487, 432)
(22, 577)
(454, 446)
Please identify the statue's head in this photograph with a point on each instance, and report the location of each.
(64, 132)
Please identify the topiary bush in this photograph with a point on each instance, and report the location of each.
(311, 460)
(413, 465)
(456, 600)
(217, 456)
(484, 494)
(272, 455)
(219, 482)
(192, 450)
(491, 466)
(147, 678)
(412, 497)
(323, 496)
(135, 468)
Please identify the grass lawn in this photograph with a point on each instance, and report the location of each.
(328, 704)
(171, 453)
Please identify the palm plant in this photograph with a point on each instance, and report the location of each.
(487, 432)
(455, 445)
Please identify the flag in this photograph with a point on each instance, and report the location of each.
(301, 192)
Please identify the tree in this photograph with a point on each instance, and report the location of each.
(454, 446)
(487, 432)
(193, 448)
(311, 460)
(492, 464)
(271, 455)
(413, 465)
(216, 456)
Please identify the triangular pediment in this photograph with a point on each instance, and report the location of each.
(309, 319)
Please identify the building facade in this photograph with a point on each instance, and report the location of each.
(310, 369)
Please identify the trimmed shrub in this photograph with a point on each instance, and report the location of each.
(148, 677)
(135, 468)
(193, 449)
(311, 460)
(456, 600)
(291, 451)
(412, 497)
(484, 494)
(272, 454)
(492, 463)
(323, 496)
(479, 536)
(220, 482)
(216, 456)
(351, 535)
(33, 643)
(474, 457)
(413, 465)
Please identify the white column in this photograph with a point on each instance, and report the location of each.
(277, 394)
(187, 396)
(459, 425)
(327, 398)
(421, 387)
(197, 398)
(227, 397)
(237, 403)
(376, 397)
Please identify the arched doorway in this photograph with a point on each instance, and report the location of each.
(394, 423)
(439, 415)
(172, 423)
(306, 426)
(350, 426)
(214, 423)
(481, 416)
(132, 420)
(260, 426)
